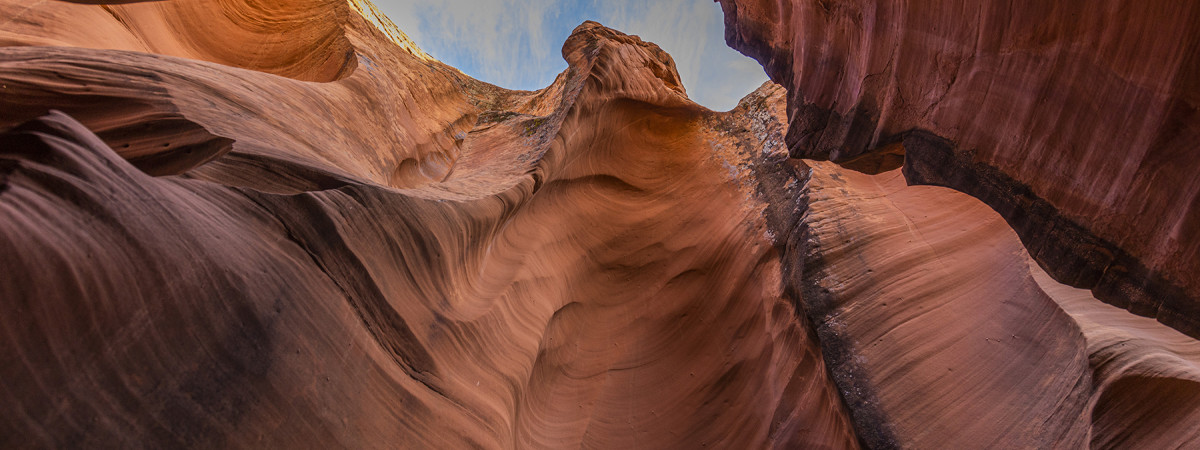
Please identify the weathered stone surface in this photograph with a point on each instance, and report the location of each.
(941, 331)
(279, 224)
(1082, 118)
(331, 240)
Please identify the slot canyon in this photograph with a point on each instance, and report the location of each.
(281, 224)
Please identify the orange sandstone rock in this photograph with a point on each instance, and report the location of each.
(235, 223)
(331, 240)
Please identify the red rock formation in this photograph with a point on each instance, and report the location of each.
(199, 252)
(301, 39)
(237, 223)
(942, 331)
(1076, 121)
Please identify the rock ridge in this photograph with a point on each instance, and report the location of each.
(287, 255)
(302, 231)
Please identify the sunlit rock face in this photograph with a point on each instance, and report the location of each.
(1078, 122)
(250, 224)
(279, 224)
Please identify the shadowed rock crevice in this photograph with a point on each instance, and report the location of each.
(1049, 116)
(1083, 156)
(1068, 251)
(427, 315)
(348, 244)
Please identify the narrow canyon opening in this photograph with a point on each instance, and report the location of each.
(281, 224)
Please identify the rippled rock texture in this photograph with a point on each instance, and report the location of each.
(331, 240)
(1078, 122)
(236, 223)
(942, 332)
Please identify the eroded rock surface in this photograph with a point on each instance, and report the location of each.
(942, 332)
(235, 223)
(205, 248)
(1077, 122)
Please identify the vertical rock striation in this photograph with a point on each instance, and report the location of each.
(941, 331)
(1077, 122)
(279, 224)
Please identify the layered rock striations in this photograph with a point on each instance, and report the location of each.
(342, 243)
(235, 223)
(1077, 122)
(942, 331)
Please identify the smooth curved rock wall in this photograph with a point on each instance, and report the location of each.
(1088, 110)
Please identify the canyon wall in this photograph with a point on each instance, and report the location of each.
(942, 332)
(248, 224)
(1077, 122)
(279, 224)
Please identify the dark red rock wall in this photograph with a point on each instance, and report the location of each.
(1083, 115)
(211, 237)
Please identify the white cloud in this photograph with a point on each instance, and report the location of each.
(501, 40)
(512, 43)
(692, 31)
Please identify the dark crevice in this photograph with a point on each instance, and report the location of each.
(805, 270)
(787, 215)
(1068, 251)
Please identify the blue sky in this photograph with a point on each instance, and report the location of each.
(517, 43)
